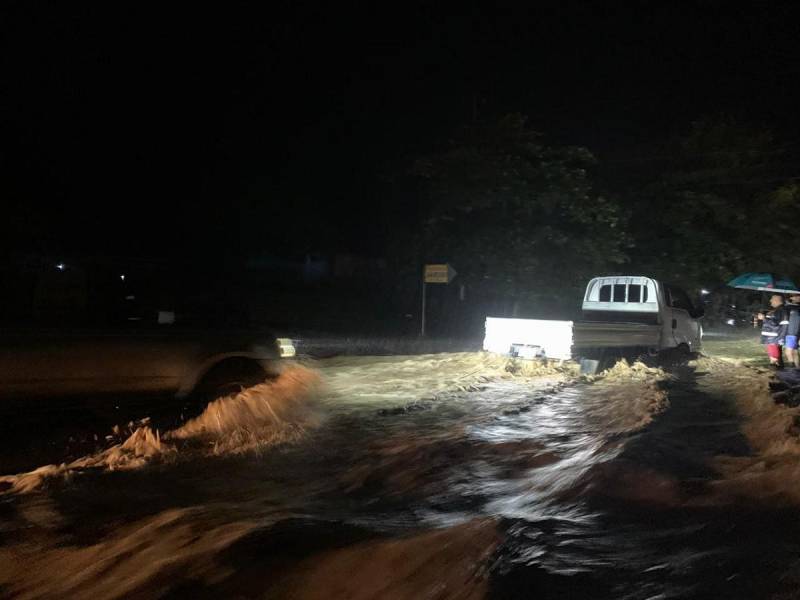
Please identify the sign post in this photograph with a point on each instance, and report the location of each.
(422, 322)
(434, 274)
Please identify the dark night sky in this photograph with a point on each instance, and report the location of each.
(136, 129)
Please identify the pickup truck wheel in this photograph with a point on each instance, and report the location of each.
(225, 379)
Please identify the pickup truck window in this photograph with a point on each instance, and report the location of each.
(679, 299)
(635, 293)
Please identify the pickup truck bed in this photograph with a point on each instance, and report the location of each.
(586, 334)
(565, 340)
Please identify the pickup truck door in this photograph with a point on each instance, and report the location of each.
(685, 327)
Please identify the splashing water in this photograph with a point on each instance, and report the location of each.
(270, 413)
(266, 414)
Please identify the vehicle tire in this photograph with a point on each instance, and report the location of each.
(231, 376)
(223, 379)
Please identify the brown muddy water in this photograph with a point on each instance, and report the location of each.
(439, 476)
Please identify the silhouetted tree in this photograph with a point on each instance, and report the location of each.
(717, 209)
(517, 217)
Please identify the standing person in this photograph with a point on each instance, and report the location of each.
(773, 330)
(792, 309)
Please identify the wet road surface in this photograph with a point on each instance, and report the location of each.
(439, 477)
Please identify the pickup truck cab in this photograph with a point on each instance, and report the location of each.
(623, 316)
(666, 309)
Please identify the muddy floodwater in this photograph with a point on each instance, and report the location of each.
(440, 476)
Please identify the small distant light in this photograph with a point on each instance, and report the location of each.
(61, 266)
(730, 322)
(704, 292)
(122, 277)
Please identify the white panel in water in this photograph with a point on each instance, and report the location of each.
(555, 337)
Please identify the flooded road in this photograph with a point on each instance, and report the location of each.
(441, 476)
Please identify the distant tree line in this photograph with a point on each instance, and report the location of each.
(525, 224)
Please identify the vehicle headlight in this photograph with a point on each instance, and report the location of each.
(286, 347)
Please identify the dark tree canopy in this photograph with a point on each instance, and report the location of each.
(717, 208)
(517, 216)
(522, 222)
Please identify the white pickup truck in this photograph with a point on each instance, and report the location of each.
(622, 316)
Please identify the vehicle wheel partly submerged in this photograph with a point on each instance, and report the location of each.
(225, 379)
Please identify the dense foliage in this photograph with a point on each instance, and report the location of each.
(717, 206)
(518, 217)
(524, 225)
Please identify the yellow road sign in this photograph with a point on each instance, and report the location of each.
(439, 273)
